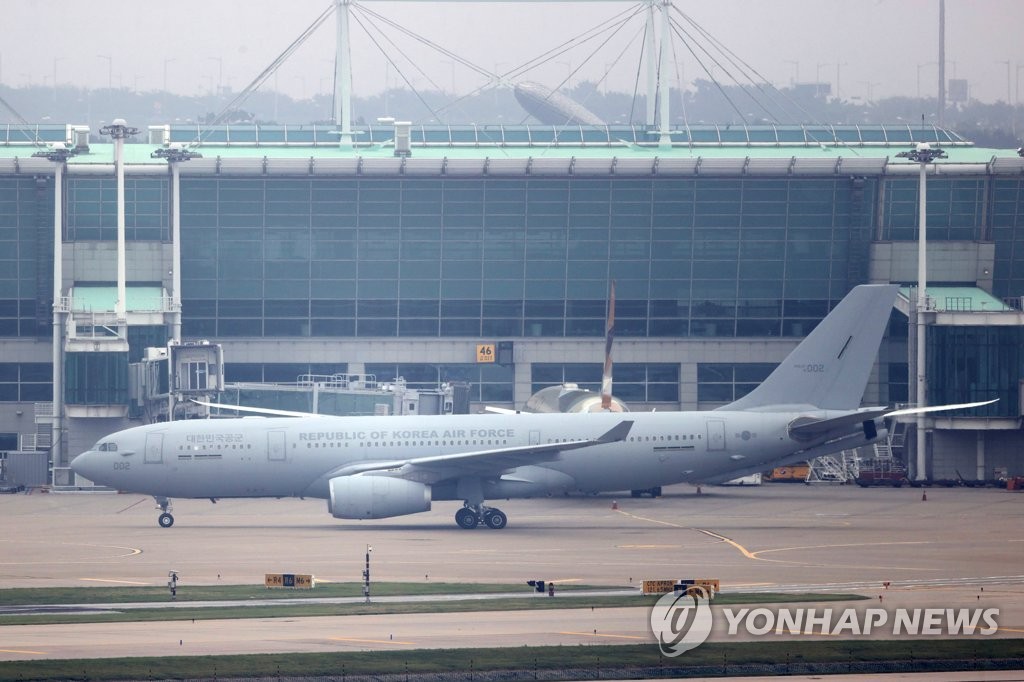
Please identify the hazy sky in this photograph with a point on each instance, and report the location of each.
(883, 47)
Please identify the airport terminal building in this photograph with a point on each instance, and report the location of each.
(484, 254)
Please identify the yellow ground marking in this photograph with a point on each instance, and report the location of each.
(131, 551)
(119, 582)
(743, 550)
(1006, 629)
(644, 518)
(371, 641)
(599, 634)
(22, 651)
(855, 544)
(754, 555)
(560, 581)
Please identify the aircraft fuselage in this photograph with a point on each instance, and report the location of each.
(280, 457)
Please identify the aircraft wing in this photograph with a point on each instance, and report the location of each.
(490, 462)
(808, 428)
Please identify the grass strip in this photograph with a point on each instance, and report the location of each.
(118, 595)
(971, 653)
(387, 608)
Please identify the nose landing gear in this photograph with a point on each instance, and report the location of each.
(166, 520)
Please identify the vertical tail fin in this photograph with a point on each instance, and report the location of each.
(830, 368)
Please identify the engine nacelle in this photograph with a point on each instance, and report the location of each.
(376, 497)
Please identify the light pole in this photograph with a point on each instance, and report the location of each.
(110, 70)
(796, 71)
(919, 67)
(60, 59)
(839, 66)
(166, 62)
(1010, 102)
(220, 72)
(175, 156)
(923, 154)
(366, 575)
(118, 130)
(59, 154)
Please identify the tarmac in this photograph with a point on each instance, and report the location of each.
(909, 548)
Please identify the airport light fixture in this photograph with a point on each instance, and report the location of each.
(118, 130)
(366, 576)
(57, 152)
(923, 154)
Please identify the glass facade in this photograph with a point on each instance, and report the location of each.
(955, 208)
(719, 382)
(91, 212)
(26, 256)
(488, 257)
(435, 257)
(26, 382)
(1007, 219)
(487, 383)
(634, 382)
(967, 364)
(97, 378)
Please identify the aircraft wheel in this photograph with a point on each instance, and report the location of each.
(166, 520)
(467, 518)
(496, 519)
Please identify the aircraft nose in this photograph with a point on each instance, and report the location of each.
(86, 464)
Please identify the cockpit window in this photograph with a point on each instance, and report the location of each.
(107, 447)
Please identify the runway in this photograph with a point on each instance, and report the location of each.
(960, 547)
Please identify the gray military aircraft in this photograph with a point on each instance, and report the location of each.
(379, 467)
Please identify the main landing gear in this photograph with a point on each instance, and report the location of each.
(165, 519)
(470, 517)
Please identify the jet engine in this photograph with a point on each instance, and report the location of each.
(376, 497)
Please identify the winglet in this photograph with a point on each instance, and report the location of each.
(616, 433)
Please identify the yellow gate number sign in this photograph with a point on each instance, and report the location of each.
(485, 352)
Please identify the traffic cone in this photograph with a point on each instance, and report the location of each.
(924, 496)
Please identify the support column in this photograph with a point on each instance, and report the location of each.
(175, 252)
(343, 74)
(665, 139)
(652, 69)
(120, 308)
(922, 304)
(57, 427)
(979, 450)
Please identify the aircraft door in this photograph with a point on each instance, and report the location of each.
(275, 446)
(716, 434)
(154, 448)
(534, 437)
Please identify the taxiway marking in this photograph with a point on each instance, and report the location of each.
(119, 582)
(601, 634)
(370, 641)
(22, 651)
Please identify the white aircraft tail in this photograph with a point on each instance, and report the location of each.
(830, 368)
